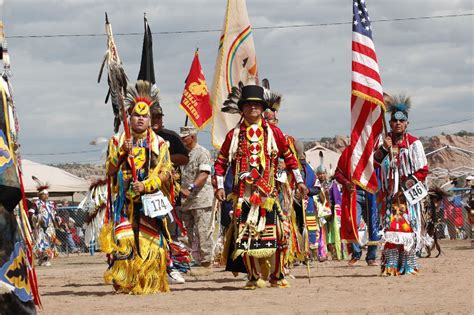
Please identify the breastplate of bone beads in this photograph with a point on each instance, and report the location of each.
(254, 135)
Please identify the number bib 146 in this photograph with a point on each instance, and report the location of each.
(156, 205)
(415, 193)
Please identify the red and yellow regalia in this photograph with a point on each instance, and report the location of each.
(135, 242)
(257, 234)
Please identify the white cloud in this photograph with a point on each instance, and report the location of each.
(61, 106)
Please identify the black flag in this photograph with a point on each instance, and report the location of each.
(147, 70)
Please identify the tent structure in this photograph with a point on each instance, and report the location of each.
(329, 161)
(61, 182)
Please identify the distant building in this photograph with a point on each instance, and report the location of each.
(330, 158)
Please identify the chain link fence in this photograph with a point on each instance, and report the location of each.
(70, 230)
(453, 216)
(452, 223)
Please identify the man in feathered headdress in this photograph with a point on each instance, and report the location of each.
(302, 231)
(403, 166)
(139, 168)
(251, 152)
(45, 219)
(305, 207)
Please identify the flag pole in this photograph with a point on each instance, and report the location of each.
(384, 122)
(117, 83)
(185, 82)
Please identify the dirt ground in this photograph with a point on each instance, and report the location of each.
(74, 285)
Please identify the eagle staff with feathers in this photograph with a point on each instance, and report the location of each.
(117, 81)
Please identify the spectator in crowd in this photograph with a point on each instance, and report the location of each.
(68, 226)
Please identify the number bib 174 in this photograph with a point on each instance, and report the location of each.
(156, 205)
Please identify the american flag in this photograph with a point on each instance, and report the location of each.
(367, 106)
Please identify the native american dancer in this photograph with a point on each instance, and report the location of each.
(323, 213)
(285, 198)
(295, 228)
(45, 223)
(136, 237)
(252, 149)
(403, 169)
(94, 204)
(305, 207)
(18, 286)
(297, 247)
(302, 232)
(332, 201)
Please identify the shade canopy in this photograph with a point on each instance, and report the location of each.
(61, 183)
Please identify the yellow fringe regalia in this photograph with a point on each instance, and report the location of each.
(137, 244)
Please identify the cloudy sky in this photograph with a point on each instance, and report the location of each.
(61, 107)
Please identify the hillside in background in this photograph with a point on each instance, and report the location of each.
(87, 171)
(450, 158)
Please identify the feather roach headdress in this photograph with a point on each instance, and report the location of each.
(41, 187)
(141, 96)
(398, 106)
(273, 99)
(321, 168)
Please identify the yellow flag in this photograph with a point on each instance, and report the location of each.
(236, 61)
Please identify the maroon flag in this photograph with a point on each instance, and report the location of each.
(367, 106)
